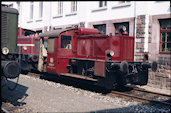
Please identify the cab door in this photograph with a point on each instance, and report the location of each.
(51, 55)
(64, 53)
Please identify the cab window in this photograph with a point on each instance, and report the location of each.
(50, 47)
(66, 42)
(37, 45)
(45, 44)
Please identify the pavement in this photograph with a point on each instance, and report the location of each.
(45, 96)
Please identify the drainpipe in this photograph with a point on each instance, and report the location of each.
(134, 32)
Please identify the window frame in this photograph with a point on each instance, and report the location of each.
(126, 24)
(102, 4)
(60, 8)
(160, 43)
(37, 45)
(40, 9)
(52, 50)
(67, 44)
(73, 6)
(166, 29)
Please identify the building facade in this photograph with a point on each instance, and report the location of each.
(148, 21)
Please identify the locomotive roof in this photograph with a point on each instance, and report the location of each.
(9, 10)
(54, 33)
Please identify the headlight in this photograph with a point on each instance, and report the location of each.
(25, 48)
(5, 50)
(109, 53)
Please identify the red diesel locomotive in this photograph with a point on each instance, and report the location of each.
(86, 54)
(30, 43)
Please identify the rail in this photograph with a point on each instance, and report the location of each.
(144, 96)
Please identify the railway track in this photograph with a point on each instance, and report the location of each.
(144, 96)
(137, 94)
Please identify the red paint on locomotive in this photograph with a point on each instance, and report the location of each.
(88, 44)
(30, 43)
(86, 52)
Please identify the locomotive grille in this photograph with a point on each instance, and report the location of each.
(4, 35)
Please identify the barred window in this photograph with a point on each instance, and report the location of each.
(60, 7)
(73, 6)
(165, 35)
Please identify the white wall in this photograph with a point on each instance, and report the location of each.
(152, 7)
(88, 12)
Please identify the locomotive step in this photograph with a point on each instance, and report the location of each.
(78, 76)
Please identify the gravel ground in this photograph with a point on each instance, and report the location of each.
(37, 95)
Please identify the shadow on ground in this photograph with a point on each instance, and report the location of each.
(15, 97)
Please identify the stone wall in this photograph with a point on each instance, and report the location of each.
(139, 40)
(162, 77)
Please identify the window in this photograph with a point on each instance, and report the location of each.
(37, 45)
(66, 42)
(60, 8)
(101, 28)
(73, 6)
(28, 33)
(40, 9)
(165, 36)
(102, 3)
(31, 10)
(51, 43)
(117, 25)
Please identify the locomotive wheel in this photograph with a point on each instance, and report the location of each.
(124, 67)
(11, 70)
(34, 58)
